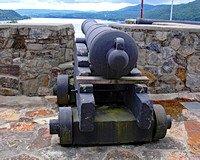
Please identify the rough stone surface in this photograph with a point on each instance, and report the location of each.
(177, 155)
(193, 132)
(168, 66)
(28, 137)
(28, 53)
(178, 47)
(121, 155)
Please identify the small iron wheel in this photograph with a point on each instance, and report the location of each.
(62, 90)
(162, 122)
(65, 125)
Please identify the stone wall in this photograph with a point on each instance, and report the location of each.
(31, 57)
(168, 55)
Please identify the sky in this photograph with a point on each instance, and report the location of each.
(84, 5)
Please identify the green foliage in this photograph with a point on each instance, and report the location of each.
(189, 11)
(13, 21)
(6, 15)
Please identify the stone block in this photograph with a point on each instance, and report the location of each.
(175, 44)
(5, 33)
(194, 64)
(167, 52)
(154, 59)
(180, 60)
(139, 36)
(193, 132)
(168, 66)
(8, 82)
(193, 82)
(186, 51)
(154, 46)
(30, 87)
(8, 92)
(6, 69)
(142, 57)
(181, 73)
(39, 33)
(161, 36)
(34, 46)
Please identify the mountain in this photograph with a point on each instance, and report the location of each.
(10, 15)
(189, 11)
(122, 14)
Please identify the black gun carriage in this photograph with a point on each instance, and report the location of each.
(113, 106)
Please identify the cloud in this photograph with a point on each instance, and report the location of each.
(83, 5)
(52, 4)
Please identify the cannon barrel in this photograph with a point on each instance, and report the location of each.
(150, 21)
(112, 53)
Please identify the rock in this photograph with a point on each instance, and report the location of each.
(39, 33)
(43, 91)
(55, 71)
(23, 156)
(142, 56)
(42, 140)
(68, 55)
(193, 132)
(138, 36)
(29, 87)
(176, 131)
(181, 73)
(169, 79)
(34, 47)
(8, 82)
(167, 52)
(8, 92)
(175, 44)
(13, 70)
(177, 155)
(39, 113)
(161, 36)
(154, 59)
(167, 143)
(120, 155)
(70, 44)
(154, 46)
(168, 66)
(5, 33)
(23, 126)
(194, 64)
(193, 82)
(44, 121)
(67, 65)
(43, 80)
(186, 51)
(9, 115)
(151, 154)
(180, 85)
(180, 60)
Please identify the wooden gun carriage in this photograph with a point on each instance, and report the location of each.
(113, 106)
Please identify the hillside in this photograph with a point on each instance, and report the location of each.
(10, 15)
(190, 11)
(122, 14)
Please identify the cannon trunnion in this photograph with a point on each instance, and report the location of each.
(113, 106)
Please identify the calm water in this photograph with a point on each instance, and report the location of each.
(76, 22)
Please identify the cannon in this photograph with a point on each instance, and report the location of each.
(109, 92)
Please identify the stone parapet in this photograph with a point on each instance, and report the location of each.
(30, 56)
(168, 54)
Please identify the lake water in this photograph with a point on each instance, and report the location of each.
(76, 22)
